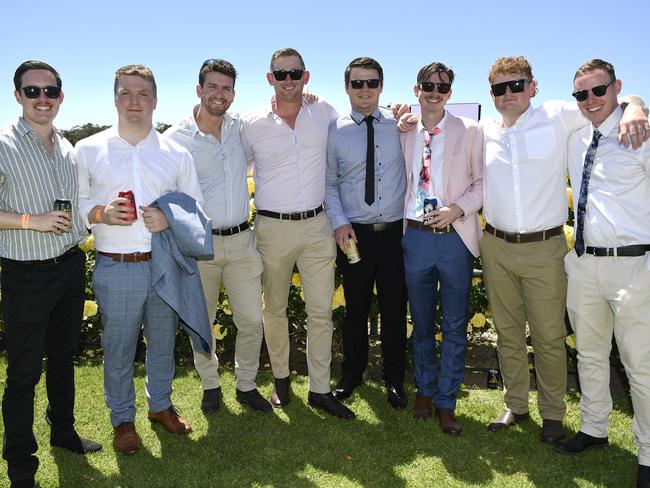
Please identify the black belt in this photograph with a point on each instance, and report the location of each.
(232, 231)
(542, 235)
(308, 214)
(416, 224)
(134, 257)
(625, 251)
(381, 226)
(59, 259)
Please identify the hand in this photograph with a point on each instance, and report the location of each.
(407, 121)
(116, 211)
(633, 128)
(443, 216)
(154, 219)
(399, 109)
(309, 96)
(342, 234)
(56, 221)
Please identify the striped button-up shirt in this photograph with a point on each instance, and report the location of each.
(30, 181)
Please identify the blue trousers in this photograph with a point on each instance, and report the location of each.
(127, 301)
(430, 259)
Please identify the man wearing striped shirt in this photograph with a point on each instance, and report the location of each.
(43, 271)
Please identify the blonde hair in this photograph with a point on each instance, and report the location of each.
(510, 65)
(135, 70)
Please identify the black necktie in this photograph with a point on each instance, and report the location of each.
(584, 189)
(370, 161)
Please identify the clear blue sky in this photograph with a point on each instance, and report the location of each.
(86, 41)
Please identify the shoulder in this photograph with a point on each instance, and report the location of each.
(255, 115)
(96, 140)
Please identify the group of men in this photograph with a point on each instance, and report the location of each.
(408, 199)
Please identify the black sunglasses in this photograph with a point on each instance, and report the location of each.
(516, 86)
(599, 91)
(429, 86)
(52, 92)
(295, 74)
(358, 84)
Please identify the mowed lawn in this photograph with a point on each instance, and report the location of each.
(301, 447)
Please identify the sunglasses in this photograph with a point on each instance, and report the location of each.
(295, 74)
(358, 84)
(516, 86)
(599, 91)
(429, 86)
(52, 92)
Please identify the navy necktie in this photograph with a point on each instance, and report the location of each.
(584, 190)
(370, 161)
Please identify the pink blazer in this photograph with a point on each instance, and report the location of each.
(462, 172)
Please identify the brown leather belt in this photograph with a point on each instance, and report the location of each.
(134, 257)
(542, 235)
(416, 224)
(308, 214)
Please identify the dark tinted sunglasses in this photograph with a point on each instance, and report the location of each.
(429, 86)
(281, 74)
(516, 86)
(599, 91)
(52, 92)
(358, 84)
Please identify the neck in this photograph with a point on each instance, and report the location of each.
(510, 119)
(431, 119)
(285, 108)
(43, 132)
(209, 124)
(132, 134)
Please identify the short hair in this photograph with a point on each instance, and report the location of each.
(594, 64)
(135, 70)
(217, 66)
(511, 65)
(32, 65)
(425, 73)
(366, 63)
(284, 52)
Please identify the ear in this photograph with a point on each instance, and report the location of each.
(19, 97)
(305, 77)
(347, 88)
(198, 91)
(155, 102)
(533, 88)
(61, 96)
(269, 78)
(416, 91)
(618, 84)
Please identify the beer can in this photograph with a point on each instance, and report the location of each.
(131, 198)
(493, 379)
(63, 205)
(352, 251)
(430, 204)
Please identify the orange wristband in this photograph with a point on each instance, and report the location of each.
(98, 214)
(24, 221)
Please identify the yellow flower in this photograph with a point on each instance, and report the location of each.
(225, 306)
(571, 341)
(251, 185)
(409, 329)
(478, 320)
(219, 332)
(90, 308)
(438, 337)
(295, 280)
(252, 204)
(469, 327)
(338, 300)
(569, 236)
(476, 280)
(569, 196)
(88, 244)
(482, 220)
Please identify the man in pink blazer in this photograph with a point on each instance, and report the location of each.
(443, 156)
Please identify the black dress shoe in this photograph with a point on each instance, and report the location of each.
(253, 399)
(552, 431)
(397, 396)
(29, 483)
(211, 401)
(280, 394)
(506, 419)
(346, 386)
(73, 443)
(581, 442)
(329, 403)
(643, 477)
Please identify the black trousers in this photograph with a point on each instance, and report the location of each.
(42, 306)
(382, 262)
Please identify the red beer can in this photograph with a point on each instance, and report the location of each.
(131, 198)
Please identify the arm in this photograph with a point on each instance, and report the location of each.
(634, 128)
(55, 221)
(333, 206)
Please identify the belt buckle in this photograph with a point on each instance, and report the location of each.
(379, 227)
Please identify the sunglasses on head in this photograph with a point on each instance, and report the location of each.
(429, 86)
(52, 92)
(358, 84)
(294, 74)
(516, 86)
(599, 91)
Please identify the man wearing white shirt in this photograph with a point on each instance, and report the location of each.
(132, 156)
(287, 143)
(211, 135)
(609, 269)
(523, 246)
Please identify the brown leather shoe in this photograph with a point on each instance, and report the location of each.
(447, 420)
(171, 421)
(126, 439)
(506, 419)
(423, 407)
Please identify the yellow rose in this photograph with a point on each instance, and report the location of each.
(219, 332)
(225, 306)
(569, 236)
(482, 220)
(295, 279)
(438, 337)
(338, 300)
(251, 185)
(252, 205)
(571, 341)
(469, 327)
(88, 244)
(569, 196)
(90, 308)
(478, 320)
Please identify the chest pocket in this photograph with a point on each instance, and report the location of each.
(540, 142)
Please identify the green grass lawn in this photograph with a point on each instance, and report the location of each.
(299, 446)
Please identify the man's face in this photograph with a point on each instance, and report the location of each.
(135, 100)
(433, 102)
(216, 94)
(365, 99)
(39, 111)
(597, 109)
(288, 90)
(513, 104)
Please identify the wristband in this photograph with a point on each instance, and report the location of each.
(24, 221)
(98, 215)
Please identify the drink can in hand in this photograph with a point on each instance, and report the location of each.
(131, 204)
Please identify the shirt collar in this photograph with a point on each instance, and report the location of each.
(522, 118)
(610, 123)
(24, 128)
(359, 117)
(152, 136)
(193, 127)
(269, 108)
(441, 125)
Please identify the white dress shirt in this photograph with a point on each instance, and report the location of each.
(525, 168)
(107, 164)
(618, 200)
(289, 163)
